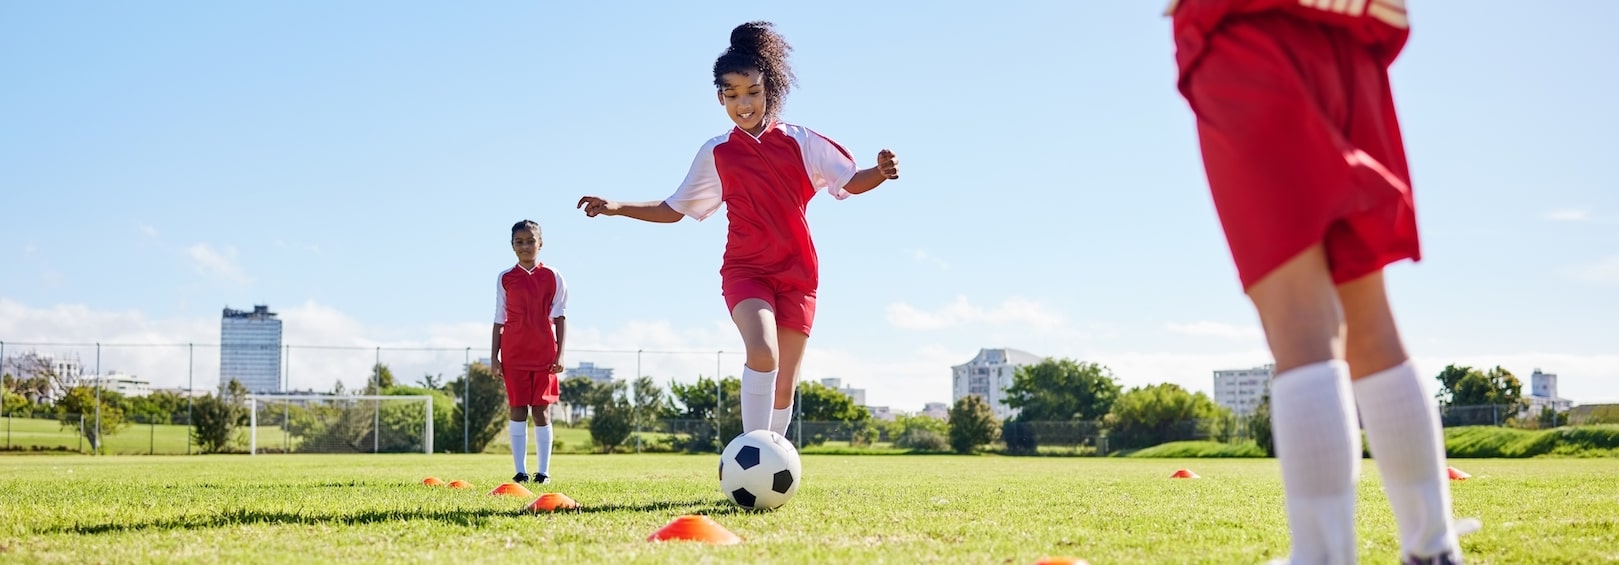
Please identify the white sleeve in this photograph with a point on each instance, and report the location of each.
(500, 298)
(559, 302)
(829, 166)
(700, 194)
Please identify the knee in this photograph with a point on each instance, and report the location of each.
(762, 358)
(519, 413)
(542, 416)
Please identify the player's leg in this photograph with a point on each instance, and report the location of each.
(1312, 406)
(791, 343)
(1401, 421)
(543, 439)
(756, 320)
(517, 429)
(795, 315)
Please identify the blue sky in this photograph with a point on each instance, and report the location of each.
(357, 166)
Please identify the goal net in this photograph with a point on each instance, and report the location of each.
(340, 424)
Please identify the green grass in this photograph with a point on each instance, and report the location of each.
(851, 509)
(1489, 441)
(1184, 449)
(133, 439)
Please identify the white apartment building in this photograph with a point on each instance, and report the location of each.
(988, 375)
(1543, 393)
(858, 394)
(1241, 390)
(121, 383)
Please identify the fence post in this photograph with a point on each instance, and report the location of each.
(81, 433)
(466, 399)
(191, 389)
(635, 413)
(429, 441)
(96, 445)
(719, 403)
(151, 446)
(252, 426)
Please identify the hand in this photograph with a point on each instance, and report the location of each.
(556, 368)
(888, 164)
(494, 368)
(594, 205)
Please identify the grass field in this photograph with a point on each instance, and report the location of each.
(851, 509)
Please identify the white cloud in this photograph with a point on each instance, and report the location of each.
(223, 264)
(960, 312)
(1568, 215)
(147, 231)
(1217, 329)
(1601, 271)
(29, 249)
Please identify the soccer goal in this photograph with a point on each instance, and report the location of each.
(322, 423)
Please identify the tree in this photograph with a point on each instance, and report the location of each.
(14, 403)
(650, 403)
(1259, 427)
(35, 377)
(699, 402)
(821, 403)
(1160, 413)
(921, 433)
(1062, 390)
(78, 408)
(1463, 386)
(484, 406)
(575, 392)
(403, 423)
(431, 381)
(612, 421)
(972, 423)
(381, 378)
(216, 416)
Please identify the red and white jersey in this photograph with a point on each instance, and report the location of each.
(765, 184)
(526, 302)
(1381, 24)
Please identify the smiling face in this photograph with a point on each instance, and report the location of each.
(526, 244)
(743, 94)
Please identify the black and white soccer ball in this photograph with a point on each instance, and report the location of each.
(760, 470)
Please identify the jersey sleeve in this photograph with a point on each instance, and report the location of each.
(500, 298)
(559, 301)
(700, 194)
(829, 165)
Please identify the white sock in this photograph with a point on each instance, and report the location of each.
(1318, 444)
(758, 397)
(780, 418)
(1402, 426)
(542, 444)
(519, 432)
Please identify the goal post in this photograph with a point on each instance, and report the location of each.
(330, 423)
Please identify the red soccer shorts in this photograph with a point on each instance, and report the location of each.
(531, 388)
(1301, 146)
(795, 309)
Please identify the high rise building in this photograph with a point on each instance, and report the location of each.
(250, 349)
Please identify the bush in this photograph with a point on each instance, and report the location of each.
(919, 439)
(972, 424)
(1491, 441)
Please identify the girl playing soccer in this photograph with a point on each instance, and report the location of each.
(765, 172)
(526, 346)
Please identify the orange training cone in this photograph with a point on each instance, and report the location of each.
(460, 484)
(552, 502)
(1184, 474)
(1457, 474)
(433, 482)
(695, 528)
(511, 489)
(1061, 561)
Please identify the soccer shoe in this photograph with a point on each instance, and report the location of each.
(541, 478)
(1463, 527)
(521, 478)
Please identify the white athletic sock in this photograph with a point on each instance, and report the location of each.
(758, 398)
(780, 418)
(1318, 444)
(519, 433)
(1402, 426)
(542, 444)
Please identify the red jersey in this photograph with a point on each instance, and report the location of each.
(1381, 24)
(765, 183)
(526, 302)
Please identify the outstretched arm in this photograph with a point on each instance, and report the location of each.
(887, 168)
(656, 211)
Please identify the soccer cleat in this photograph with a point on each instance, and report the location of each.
(1463, 527)
(521, 478)
(541, 478)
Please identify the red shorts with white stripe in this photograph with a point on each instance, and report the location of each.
(1301, 145)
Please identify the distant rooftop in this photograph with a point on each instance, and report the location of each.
(258, 312)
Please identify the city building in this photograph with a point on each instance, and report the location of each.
(1242, 390)
(1543, 394)
(858, 394)
(589, 370)
(127, 385)
(988, 375)
(250, 349)
(936, 410)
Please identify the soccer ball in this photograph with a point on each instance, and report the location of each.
(759, 470)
